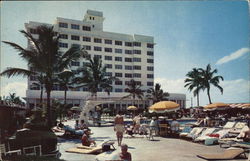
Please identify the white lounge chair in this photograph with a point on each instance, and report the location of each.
(204, 134)
(195, 132)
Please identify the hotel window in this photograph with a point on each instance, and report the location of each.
(118, 58)
(108, 66)
(86, 28)
(136, 43)
(108, 50)
(118, 66)
(128, 67)
(137, 75)
(150, 45)
(106, 41)
(86, 47)
(128, 59)
(33, 78)
(74, 26)
(150, 60)
(118, 50)
(137, 82)
(97, 48)
(97, 40)
(108, 57)
(127, 82)
(63, 36)
(118, 82)
(128, 75)
(33, 31)
(128, 44)
(128, 51)
(150, 68)
(108, 74)
(118, 90)
(98, 56)
(118, 43)
(118, 74)
(150, 76)
(75, 63)
(88, 39)
(136, 59)
(63, 25)
(150, 83)
(74, 37)
(76, 45)
(137, 52)
(137, 67)
(63, 45)
(150, 53)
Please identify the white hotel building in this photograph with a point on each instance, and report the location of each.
(126, 57)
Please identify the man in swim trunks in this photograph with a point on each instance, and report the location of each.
(119, 127)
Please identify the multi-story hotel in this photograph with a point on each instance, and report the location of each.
(125, 56)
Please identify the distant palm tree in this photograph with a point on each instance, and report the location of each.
(194, 82)
(156, 94)
(208, 78)
(94, 77)
(65, 81)
(134, 90)
(44, 56)
(14, 99)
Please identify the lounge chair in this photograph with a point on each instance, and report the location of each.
(228, 154)
(185, 131)
(204, 134)
(213, 138)
(231, 140)
(195, 132)
(229, 125)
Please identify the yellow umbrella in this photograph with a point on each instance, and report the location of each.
(132, 108)
(245, 106)
(164, 106)
(216, 106)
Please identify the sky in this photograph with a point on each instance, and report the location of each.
(188, 34)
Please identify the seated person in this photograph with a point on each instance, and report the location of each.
(83, 125)
(129, 130)
(125, 155)
(86, 141)
(77, 126)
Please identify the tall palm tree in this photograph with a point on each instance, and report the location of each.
(194, 82)
(40, 85)
(208, 78)
(134, 90)
(44, 56)
(94, 77)
(156, 94)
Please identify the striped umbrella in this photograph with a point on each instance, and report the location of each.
(164, 106)
(216, 106)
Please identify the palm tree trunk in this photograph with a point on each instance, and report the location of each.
(41, 97)
(65, 96)
(198, 103)
(48, 108)
(208, 93)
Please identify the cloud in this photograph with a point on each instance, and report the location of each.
(235, 91)
(235, 55)
(15, 87)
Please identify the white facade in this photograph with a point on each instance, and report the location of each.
(126, 56)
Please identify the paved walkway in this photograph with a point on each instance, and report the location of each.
(162, 149)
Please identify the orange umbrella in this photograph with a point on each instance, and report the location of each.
(164, 106)
(216, 106)
(245, 106)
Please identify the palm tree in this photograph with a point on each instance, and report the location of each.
(194, 82)
(156, 94)
(134, 90)
(208, 78)
(43, 56)
(65, 81)
(40, 85)
(14, 99)
(94, 77)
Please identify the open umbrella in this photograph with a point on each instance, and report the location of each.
(245, 106)
(164, 106)
(76, 108)
(132, 108)
(216, 106)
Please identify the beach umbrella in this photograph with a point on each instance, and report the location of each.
(75, 108)
(245, 106)
(216, 106)
(164, 106)
(132, 108)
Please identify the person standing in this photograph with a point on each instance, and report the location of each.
(119, 127)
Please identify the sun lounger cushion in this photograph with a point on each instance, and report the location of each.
(229, 125)
(228, 154)
(240, 125)
(195, 132)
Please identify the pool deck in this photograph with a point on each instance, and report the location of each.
(161, 149)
